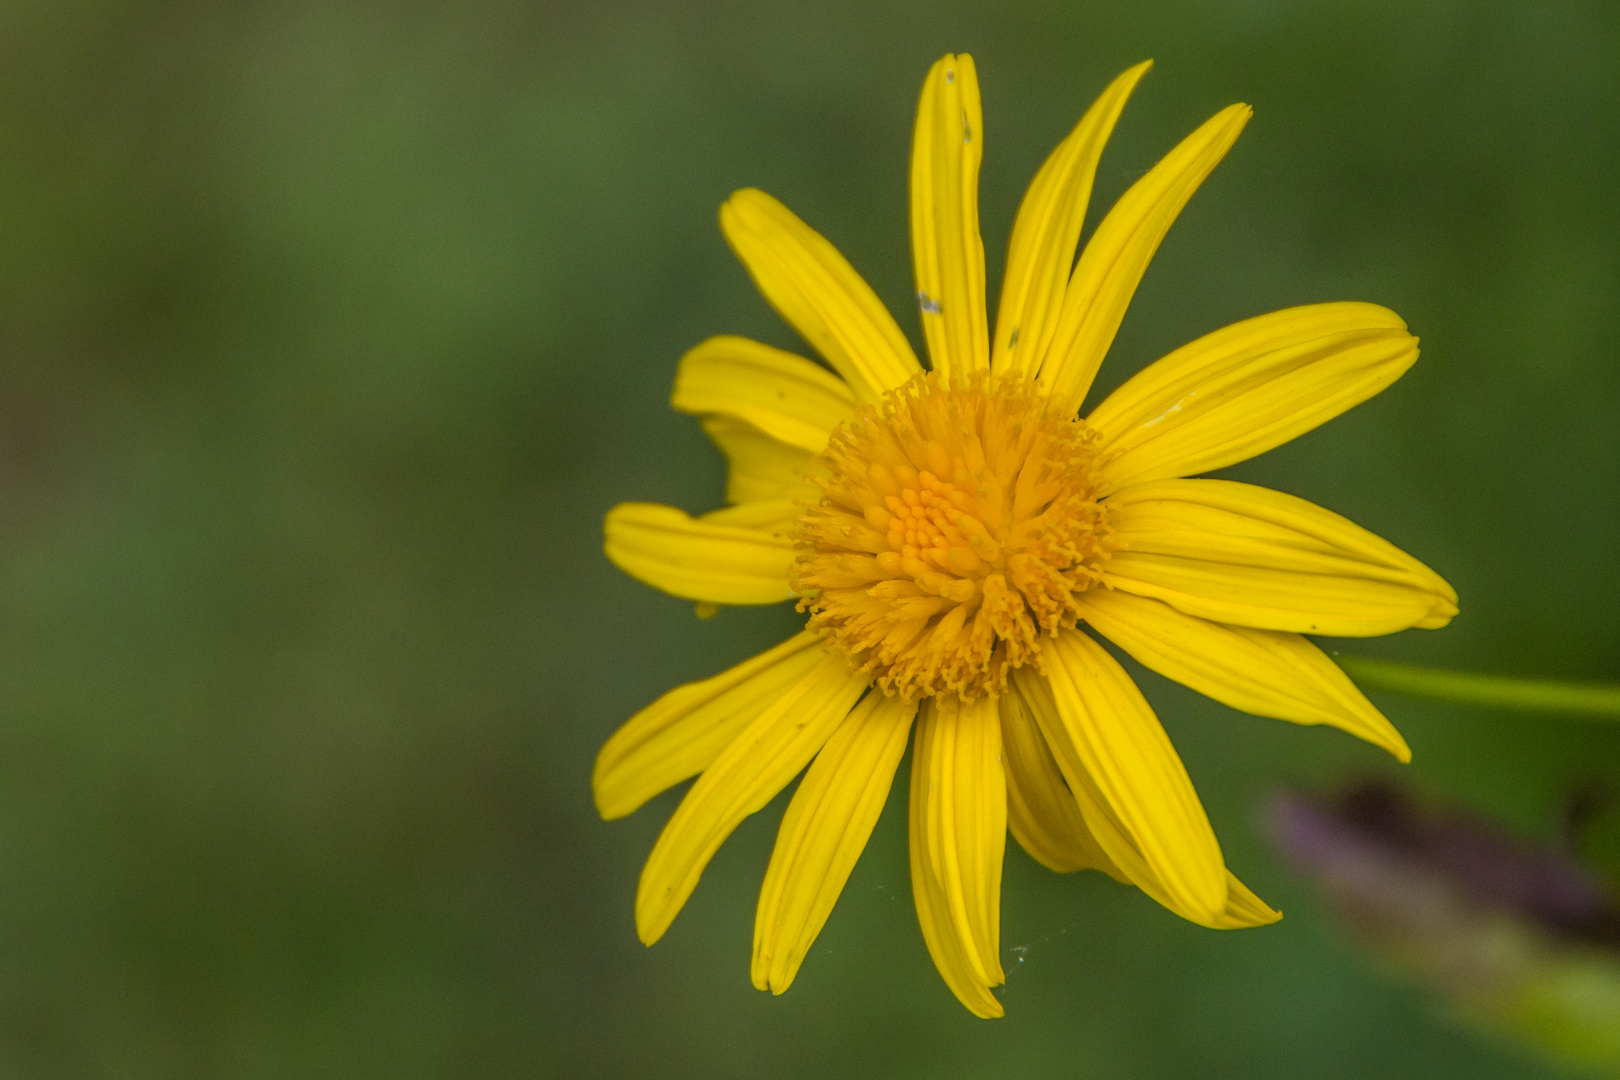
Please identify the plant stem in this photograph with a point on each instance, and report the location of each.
(1496, 691)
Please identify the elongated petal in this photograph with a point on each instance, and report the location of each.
(1047, 231)
(681, 733)
(776, 517)
(819, 293)
(823, 833)
(1118, 254)
(1242, 907)
(945, 246)
(1247, 388)
(723, 564)
(773, 516)
(749, 772)
(958, 837)
(1042, 812)
(785, 396)
(1265, 672)
(1247, 555)
(761, 467)
(1111, 740)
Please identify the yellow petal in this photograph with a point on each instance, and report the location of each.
(785, 396)
(762, 468)
(1242, 908)
(824, 832)
(1118, 253)
(1107, 736)
(1047, 231)
(958, 837)
(945, 246)
(1247, 388)
(819, 293)
(1042, 813)
(1247, 555)
(698, 560)
(681, 733)
(774, 516)
(1265, 672)
(748, 773)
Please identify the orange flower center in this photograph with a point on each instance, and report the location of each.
(959, 521)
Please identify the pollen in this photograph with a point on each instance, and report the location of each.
(959, 522)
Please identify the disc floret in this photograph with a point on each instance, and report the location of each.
(959, 521)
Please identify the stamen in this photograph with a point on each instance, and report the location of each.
(959, 521)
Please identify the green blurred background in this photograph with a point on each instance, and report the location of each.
(329, 330)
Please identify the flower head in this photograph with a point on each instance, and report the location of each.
(952, 532)
(941, 579)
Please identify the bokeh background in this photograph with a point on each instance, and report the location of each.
(329, 330)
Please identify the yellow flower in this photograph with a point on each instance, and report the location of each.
(949, 530)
